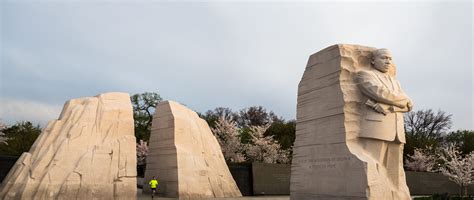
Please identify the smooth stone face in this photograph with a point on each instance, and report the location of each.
(349, 131)
(88, 153)
(185, 156)
(270, 179)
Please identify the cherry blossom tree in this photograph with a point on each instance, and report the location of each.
(456, 167)
(260, 149)
(422, 160)
(227, 135)
(142, 152)
(3, 138)
(448, 160)
(264, 148)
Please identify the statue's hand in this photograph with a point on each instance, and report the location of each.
(379, 109)
(401, 105)
(409, 105)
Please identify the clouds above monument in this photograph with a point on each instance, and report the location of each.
(17, 109)
(209, 54)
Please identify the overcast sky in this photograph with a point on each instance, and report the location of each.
(231, 54)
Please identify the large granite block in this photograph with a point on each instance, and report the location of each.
(88, 153)
(185, 156)
(348, 137)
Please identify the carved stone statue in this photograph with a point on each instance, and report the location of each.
(349, 127)
(382, 130)
(386, 101)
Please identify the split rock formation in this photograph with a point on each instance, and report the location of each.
(87, 153)
(185, 156)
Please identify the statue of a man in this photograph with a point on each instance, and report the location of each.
(382, 133)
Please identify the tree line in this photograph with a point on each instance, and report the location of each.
(424, 128)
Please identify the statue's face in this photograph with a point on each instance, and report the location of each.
(382, 61)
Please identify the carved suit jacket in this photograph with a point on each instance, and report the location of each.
(386, 91)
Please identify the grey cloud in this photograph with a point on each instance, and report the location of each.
(209, 54)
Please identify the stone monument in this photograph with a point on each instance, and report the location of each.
(185, 156)
(88, 153)
(349, 131)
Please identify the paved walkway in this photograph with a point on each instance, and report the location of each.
(142, 196)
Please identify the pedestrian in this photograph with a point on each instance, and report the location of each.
(153, 184)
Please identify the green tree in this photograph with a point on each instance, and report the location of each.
(21, 137)
(213, 116)
(144, 105)
(464, 139)
(256, 116)
(425, 128)
(283, 132)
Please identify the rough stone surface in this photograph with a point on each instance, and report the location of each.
(185, 156)
(332, 158)
(88, 153)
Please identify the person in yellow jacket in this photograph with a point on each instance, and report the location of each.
(153, 184)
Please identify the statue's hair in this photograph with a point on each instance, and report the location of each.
(377, 52)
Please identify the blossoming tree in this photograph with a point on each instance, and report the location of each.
(421, 160)
(3, 138)
(457, 168)
(449, 161)
(227, 135)
(264, 148)
(142, 152)
(260, 149)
